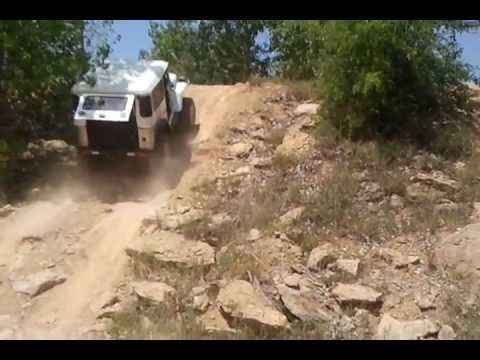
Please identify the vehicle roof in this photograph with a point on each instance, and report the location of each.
(121, 77)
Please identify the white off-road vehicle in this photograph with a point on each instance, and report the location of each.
(131, 110)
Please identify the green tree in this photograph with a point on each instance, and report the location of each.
(211, 51)
(379, 77)
(39, 62)
(295, 45)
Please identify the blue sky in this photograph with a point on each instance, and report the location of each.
(135, 37)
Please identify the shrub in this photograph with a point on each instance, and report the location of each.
(391, 78)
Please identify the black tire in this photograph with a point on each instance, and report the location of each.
(187, 117)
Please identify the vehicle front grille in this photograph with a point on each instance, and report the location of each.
(109, 135)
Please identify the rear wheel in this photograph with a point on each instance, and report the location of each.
(187, 117)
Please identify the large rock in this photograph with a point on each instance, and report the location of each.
(296, 143)
(37, 283)
(437, 180)
(240, 150)
(304, 306)
(58, 146)
(356, 295)
(241, 301)
(43, 148)
(6, 210)
(320, 257)
(460, 253)
(172, 249)
(306, 109)
(155, 292)
(393, 329)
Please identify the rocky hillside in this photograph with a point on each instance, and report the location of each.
(284, 231)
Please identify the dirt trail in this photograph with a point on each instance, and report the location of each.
(85, 238)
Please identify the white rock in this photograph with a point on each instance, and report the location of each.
(254, 235)
(219, 219)
(349, 266)
(244, 170)
(154, 292)
(37, 283)
(424, 303)
(306, 109)
(293, 281)
(446, 333)
(356, 294)
(393, 329)
(201, 302)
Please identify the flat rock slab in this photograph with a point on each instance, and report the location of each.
(306, 109)
(304, 306)
(437, 180)
(174, 249)
(393, 329)
(37, 283)
(241, 301)
(356, 294)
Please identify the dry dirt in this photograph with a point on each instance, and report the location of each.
(84, 236)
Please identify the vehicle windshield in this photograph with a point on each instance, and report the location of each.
(109, 103)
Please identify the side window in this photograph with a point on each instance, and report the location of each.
(145, 106)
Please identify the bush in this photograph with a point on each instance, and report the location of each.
(391, 78)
